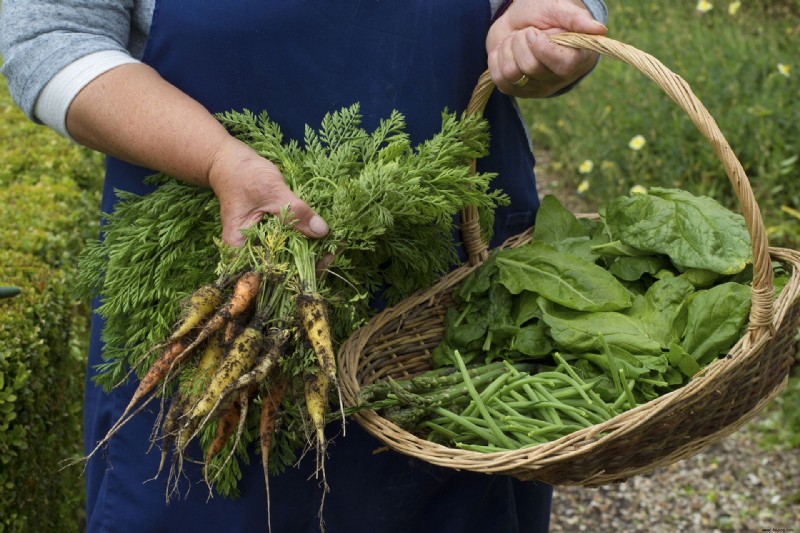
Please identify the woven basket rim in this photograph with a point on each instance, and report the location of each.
(767, 317)
(508, 461)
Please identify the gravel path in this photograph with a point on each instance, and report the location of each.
(731, 486)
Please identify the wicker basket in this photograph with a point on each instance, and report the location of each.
(725, 395)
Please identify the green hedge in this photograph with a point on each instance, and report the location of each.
(42, 340)
(49, 192)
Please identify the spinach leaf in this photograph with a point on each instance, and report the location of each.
(532, 340)
(555, 223)
(715, 320)
(562, 278)
(659, 309)
(694, 231)
(633, 268)
(478, 281)
(526, 307)
(700, 278)
(618, 249)
(580, 332)
(682, 360)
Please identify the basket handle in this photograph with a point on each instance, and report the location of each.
(676, 87)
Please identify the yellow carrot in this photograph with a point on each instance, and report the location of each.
(239, 359)
(244, 295)
(317, 386)
(314, 319)
(202, 303)
(210, 358)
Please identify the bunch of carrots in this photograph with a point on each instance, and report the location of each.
(242, 337)
(257, 330)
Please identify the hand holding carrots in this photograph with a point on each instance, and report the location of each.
(248, 187)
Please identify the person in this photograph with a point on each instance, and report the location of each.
(140, 80)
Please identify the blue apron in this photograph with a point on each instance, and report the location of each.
(298, 61)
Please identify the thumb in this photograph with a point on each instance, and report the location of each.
(578, 19)
(307, 221)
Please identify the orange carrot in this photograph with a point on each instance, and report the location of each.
(244, 295)
(270, 403)
(170, 356)
(226, 423)
(242, 403)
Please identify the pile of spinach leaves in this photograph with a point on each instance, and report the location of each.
(652, 291)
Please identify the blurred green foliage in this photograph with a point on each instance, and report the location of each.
(742, 66)
(49, 205)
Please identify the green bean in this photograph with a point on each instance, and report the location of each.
(465, 423)
(477, 399)
(620, 402)
(548, 412)
(612, 364)
(480, 448)
(593, 412)
(628, 391)
(578, 382)
(488, 392)
(531, 422)
(439, 430)
(601, 410)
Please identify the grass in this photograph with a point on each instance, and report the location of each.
(739, 65)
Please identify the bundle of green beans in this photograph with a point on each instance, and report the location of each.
(494, 407)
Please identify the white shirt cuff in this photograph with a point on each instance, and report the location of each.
(56, 97)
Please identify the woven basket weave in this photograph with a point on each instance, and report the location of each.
(398, 342)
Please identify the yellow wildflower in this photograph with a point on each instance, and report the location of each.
(586, 166)
(637, 142)
(784, 70)
(638, 189)
(789, 211)
(703, 6)
(583, 186)
(733, 7)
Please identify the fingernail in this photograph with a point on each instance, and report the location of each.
(318, 225)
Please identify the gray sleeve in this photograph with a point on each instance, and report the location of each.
(38, 38)
(598, 9)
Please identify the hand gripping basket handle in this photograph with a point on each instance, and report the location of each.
(676, 87)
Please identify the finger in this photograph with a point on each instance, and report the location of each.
(526, 61)
(563, 62)
(498, 31)
(322, 265)
(503, 67)
(576, 18)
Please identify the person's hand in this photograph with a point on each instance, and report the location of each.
(248, 187)
(518, 45)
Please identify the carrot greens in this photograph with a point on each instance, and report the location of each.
(265, 336)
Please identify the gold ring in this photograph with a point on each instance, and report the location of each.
(521, 82)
